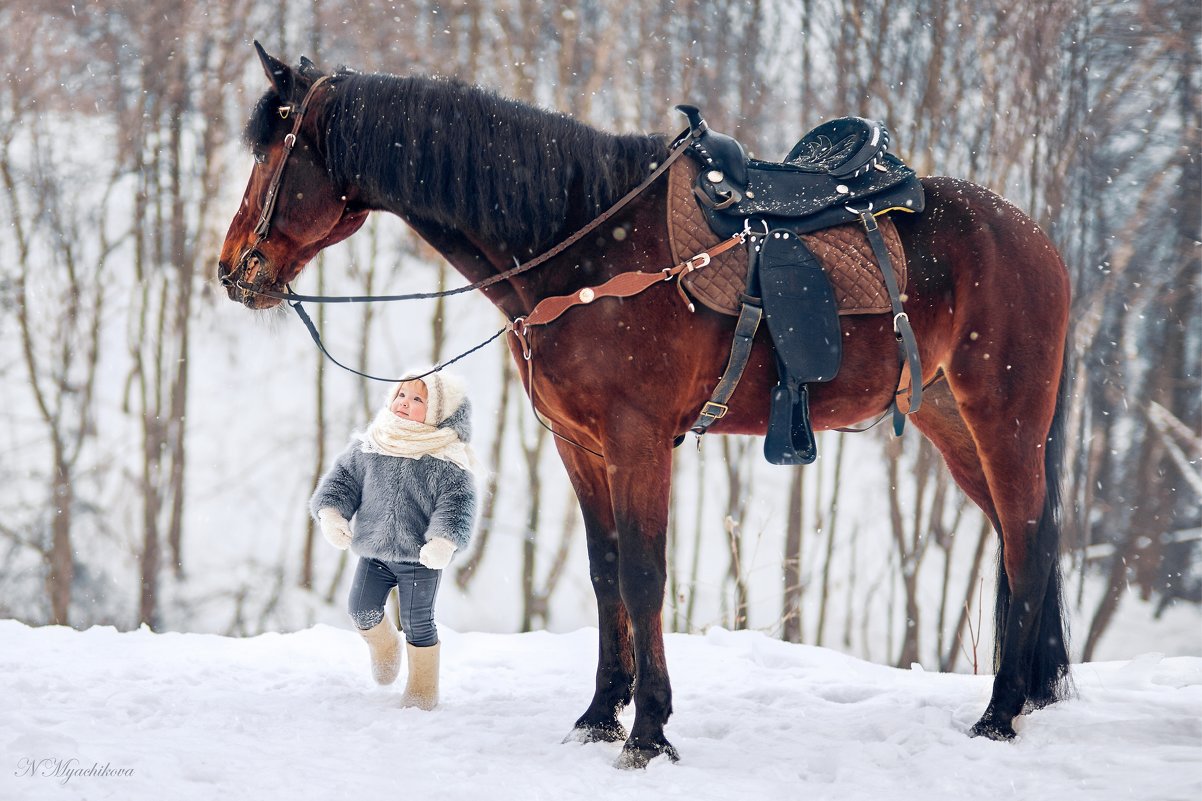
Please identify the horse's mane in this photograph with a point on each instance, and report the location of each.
(446, 152)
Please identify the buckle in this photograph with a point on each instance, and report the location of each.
(697, 262)
(721, 407)
(866, 216)
(518, 327)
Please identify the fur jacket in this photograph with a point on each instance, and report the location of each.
(400, 504)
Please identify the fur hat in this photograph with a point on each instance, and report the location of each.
(445, 393)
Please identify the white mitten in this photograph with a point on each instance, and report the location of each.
(436, 554)
(335, 528)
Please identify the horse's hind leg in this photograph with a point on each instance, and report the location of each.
(1008, 396)
(940, 421)
(615, 658)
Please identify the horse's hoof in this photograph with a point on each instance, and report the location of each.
(596, 733)
(636, 756)
(993, 729)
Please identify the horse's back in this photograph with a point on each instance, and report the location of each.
(978, 261)
(982, 234)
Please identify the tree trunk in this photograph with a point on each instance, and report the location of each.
(830, 547)
(488, 511)
(734, 453)
(532, 452)
(309, 530)
(791, 608)
(906, 558)
(61, 574)
(954, 647)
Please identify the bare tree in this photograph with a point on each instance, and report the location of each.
(791, 630)
(735, 453)
(828, 559)
(488, 512)
(172, 194)
(58, 207)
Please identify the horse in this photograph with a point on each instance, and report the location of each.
(488, 181)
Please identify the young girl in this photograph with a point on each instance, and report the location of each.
(408, 483)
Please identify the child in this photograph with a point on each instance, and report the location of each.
(408, 482)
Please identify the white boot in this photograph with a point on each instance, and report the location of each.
(421, 689)
(385, 645)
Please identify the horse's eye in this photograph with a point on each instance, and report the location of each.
(260, 158)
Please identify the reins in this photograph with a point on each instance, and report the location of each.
(519, 326)
(309, 324)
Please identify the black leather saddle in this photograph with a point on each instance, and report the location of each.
(839, 172)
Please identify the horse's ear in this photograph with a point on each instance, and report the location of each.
(309, 70)
(279, 73)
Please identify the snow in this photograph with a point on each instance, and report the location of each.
(287, 716)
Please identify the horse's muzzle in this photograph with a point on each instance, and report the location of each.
(224, 276)
(243, 283)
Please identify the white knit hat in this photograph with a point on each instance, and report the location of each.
(445, 393)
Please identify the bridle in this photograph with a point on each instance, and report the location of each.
(263, 226)
(679, 145)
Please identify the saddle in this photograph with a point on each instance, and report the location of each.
(833, 171)
(840, 172)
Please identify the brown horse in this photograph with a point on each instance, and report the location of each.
(488, 181)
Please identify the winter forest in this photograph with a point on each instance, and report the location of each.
(158, 444)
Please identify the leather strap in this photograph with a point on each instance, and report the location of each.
(623, 285)
(715, 408)
(316, 335)
(911, 378)
(751, 312)
(543, 421)
(263, 226)
(620, 286)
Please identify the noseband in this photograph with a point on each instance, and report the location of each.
(263, 226)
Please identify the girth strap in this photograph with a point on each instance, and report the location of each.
(740, 351)
(901, 327)
(750, 313)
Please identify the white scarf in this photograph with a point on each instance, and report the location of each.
(389, 435)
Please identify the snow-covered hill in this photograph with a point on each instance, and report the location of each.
(295, 716)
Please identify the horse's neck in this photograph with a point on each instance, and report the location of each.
(477, 259)
(477, 256)
(473, 262)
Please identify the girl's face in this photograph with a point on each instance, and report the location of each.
(410, 402)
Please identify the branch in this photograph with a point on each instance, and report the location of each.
(1168, 426)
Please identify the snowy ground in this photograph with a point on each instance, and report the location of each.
(295, 716)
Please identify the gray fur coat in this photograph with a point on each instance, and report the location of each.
(401, 504)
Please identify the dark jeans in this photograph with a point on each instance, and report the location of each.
(417, 587)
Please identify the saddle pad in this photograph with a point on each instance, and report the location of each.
(843, 251)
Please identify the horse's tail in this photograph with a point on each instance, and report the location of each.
(1048, 677)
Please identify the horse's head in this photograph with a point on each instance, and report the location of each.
(291, 208)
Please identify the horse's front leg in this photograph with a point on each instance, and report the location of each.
(639, 480)
(615, 658)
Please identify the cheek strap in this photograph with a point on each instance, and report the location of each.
(263, 226)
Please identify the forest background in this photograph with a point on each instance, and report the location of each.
(158, 444)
